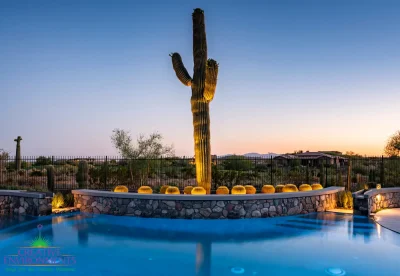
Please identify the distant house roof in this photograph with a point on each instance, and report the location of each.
(286, 156)
(308, 155)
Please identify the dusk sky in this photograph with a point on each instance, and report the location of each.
(310, 75)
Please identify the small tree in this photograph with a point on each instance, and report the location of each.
(43, 161)
(393, 145)
(138, 155)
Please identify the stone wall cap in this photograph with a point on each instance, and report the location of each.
(373, 192)
(19, 193)
(326, 191)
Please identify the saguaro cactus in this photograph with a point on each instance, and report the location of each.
(50, 178)
(82, 176)
(18, 153)
(204, 83)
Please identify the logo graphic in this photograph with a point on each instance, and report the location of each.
(39, 241)
(39, 256)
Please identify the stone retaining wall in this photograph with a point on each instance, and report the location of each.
(205, 207)
(383, 199)
(24, 203)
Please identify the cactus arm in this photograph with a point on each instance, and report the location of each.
(180, 69)
(211, 80)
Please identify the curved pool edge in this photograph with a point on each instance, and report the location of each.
(205, 206)
(389, 219)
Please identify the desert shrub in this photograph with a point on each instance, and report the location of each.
(268, 189)
(43, 161)
(189, 172)
(305, 187)
(58, 200)
(121, 189)
(22, 172)
(66, 169)
(289, 188)
(172, 172)
(250, 189)
(69, 200)
(345, 200)
(36, 172)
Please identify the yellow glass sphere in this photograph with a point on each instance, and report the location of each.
(163, 189)
(198, 191)
(171, 190)
(188, 190)
(305, 187)
(222, 190)
(250, 189)
(279, 188)
(289, 188)
(316, 187)
(145, 190)
(268, 189)
(238, 190)
(121, 189)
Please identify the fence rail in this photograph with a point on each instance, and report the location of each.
(104, 173)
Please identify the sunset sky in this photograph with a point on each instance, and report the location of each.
(310, 75)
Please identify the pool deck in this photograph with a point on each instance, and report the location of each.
(389, 218)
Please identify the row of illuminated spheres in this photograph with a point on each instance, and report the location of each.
(223, 190)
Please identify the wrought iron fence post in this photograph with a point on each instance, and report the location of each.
(326, 172)
(272, 181)
(382, 173)
(52, 160)
(106, 168)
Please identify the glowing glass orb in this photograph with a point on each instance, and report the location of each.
(163, 189)
(121, 189)
(378, 186)
(188, 190)
(222, 190)
(238, 190)
(268, 189)
(316, 187)
(278, 188)
(289, 188)
(145, 190)
(305, 187)
(198, 191)
(172, 191)
(250, 189)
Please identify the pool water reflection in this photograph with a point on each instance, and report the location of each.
(313, 244)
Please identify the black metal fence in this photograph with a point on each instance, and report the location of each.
(104, 173)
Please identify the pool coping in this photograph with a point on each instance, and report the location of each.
(95, 193)
(20, 193)
(374, 192)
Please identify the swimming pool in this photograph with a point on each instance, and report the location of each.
(312, 244)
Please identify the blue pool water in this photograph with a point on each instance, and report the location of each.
(313, 244)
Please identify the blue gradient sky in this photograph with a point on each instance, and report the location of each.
(311, 75)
